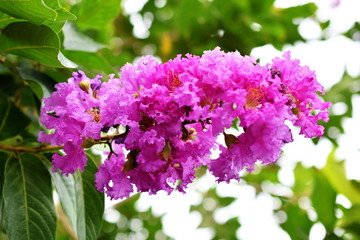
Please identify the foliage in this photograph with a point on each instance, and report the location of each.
(42, 42)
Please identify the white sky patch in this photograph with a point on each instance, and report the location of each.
(132, 6)
(290, 3)
(327, 58)
(349, 148)
(342, 16)
(310, 29)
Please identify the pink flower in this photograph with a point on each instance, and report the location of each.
(168, 118)
(111, 178)
(73, 112)
(74, 159)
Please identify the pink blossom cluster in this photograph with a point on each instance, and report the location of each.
(162, 121)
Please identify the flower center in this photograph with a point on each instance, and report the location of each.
(253, 98)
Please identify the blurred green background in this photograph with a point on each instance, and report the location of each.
(43, 42)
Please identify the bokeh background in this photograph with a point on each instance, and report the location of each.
(312, 192)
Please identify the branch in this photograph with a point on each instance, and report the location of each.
(42, 148)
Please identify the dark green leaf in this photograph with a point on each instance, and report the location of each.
(12, 120)
(8, 84)
(27, 98)
(89, 203)
(39, 43)
(323, 200)
(3, 158)
(36, 88)
(41, 84)
(30, 212)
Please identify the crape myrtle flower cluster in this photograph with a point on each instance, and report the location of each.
(162, 121)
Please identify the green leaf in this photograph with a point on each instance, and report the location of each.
(225, 201)
(36, 88)
(351, 215)
(6, 19)
(30, 212)
(298, 224)
(65, 188)
(38, 12)
(3, 158)
(82, 203)
(62, 14)
(187, 14)
(75, 40)
(38, 43)
(263, 173)
(235, 124)
(9, 84)
(90, 61)
(336, 175)
(35, 11)
(41, 84)
(89, 202)
(95, 14)
(302, 11)
(12, 120)
(323, 200)
(228, 229)
(304, 180)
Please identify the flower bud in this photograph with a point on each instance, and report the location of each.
(85, 85)
(230, 139)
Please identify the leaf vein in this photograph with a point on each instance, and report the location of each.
(25, 197)
(6, 115)
(5, 19)
(24, 47)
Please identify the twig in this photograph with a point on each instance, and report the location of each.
(42, 148)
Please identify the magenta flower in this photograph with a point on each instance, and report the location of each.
(168, 117)
(72, 111)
